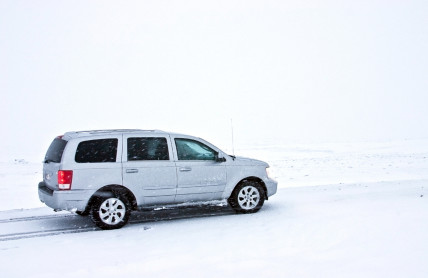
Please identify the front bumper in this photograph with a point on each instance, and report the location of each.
(271, 186)
(64, 200)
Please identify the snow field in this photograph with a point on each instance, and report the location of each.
(359, 230)
(367, 217)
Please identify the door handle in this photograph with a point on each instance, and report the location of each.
(185, 169)
(130, 171)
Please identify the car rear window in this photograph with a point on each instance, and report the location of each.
(94, 151)
(55, 151)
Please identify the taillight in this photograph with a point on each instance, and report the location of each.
(65, 177)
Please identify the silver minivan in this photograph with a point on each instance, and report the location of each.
(108, 173)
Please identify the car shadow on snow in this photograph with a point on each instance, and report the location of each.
(180, 212)
(156, 214)
(150, 215)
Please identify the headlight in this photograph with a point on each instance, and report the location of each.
(268, 172)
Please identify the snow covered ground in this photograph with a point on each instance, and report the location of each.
(342, 210)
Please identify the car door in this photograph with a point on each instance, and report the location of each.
(199, 176)
(148, 168)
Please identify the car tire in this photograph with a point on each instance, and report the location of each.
(247, 197)
(111, 212)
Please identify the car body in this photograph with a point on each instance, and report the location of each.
(108, 173)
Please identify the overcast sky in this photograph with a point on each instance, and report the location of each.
(285, 70)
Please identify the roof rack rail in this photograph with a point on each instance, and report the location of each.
(102, 131)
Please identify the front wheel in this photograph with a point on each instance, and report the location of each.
(247, 197)
(111, 212)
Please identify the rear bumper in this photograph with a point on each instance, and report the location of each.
(64, 200)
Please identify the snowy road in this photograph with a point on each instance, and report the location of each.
(15, 225)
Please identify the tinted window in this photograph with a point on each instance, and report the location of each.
(193, 150)
(54, 153)
(103, 150)
(147, 148)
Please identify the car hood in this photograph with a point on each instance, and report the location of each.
(249, 162)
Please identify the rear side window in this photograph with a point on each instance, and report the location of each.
(93, 151)
(147, 148)
(55, 151)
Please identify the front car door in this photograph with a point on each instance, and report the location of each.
(199, 176)
(149, 169)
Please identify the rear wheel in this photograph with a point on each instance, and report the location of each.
(247, 197)
(111, 212)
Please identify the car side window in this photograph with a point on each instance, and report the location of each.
(188, 149)
(147, 148)
(94, 151)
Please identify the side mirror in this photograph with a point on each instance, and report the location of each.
(220, 158)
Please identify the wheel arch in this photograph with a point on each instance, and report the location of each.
(254, 179)
(108, 190)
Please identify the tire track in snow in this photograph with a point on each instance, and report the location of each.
(139, 217)
(16, 236)
(34, 218)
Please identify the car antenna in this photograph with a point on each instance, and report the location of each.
(233, 143)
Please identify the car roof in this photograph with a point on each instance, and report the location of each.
(87, 133)
(97, 134)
